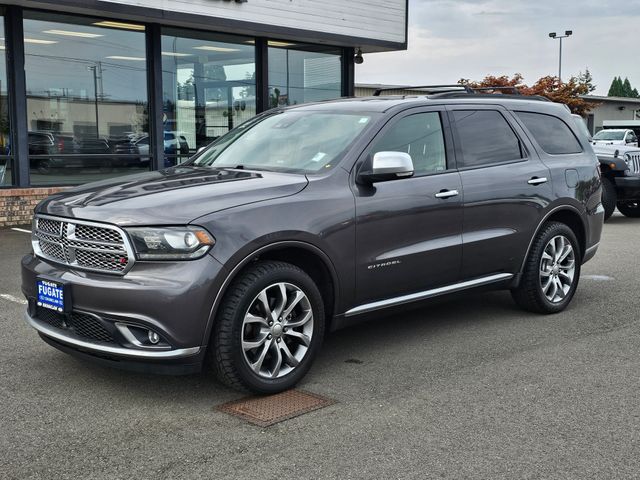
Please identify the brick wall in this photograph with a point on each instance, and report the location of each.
(16, 204)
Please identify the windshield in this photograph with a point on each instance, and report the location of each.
(290, 141)
(609, 135)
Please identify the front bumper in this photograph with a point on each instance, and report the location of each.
(173, 299)
(106, 348)
(628, 188)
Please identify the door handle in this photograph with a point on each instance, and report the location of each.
(537, 180)
(447, 193)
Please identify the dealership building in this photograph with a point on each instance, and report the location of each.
(91, 89)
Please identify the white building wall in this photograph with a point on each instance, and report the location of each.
(371, 19)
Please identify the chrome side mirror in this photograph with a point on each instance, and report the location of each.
(387, 166)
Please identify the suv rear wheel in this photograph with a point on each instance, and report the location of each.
(269, 328)
(551, 272)
(629, 209)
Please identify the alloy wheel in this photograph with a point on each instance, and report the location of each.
(557, 269)
(277, 330)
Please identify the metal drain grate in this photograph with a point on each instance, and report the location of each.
(266, 411)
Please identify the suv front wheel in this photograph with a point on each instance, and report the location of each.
(551, 272)
(269, 328)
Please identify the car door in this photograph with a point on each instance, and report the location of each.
(408, 231)
(506, 189)
(631, 139)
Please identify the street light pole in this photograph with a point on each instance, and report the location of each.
(95, 95)
(567, 33)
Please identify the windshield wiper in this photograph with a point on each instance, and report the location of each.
(240, 166)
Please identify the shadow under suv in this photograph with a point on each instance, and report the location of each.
(305, 219)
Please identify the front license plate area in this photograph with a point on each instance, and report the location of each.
(52, 295)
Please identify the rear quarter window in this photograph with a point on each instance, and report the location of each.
(551, 133)
(486, 138)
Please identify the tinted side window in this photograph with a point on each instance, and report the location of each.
(551, 133)
(420, 135)
(485, 138)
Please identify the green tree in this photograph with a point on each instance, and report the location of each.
(627, 90)
(616, 88)
(586, 79)
(620, 88)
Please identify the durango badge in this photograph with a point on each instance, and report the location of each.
(383, 264)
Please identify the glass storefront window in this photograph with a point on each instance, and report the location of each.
(209, 87)
(87, 106)
(301, 73)
(6, 171)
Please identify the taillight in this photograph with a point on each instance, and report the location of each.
(60, 144)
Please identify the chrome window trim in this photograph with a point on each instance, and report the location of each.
(126, 243)
(434, 292)
(119, 351)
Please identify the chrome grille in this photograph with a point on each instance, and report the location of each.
(52, 250)
(80, 244)
(49, 226)
(633, 161)
(98, 234)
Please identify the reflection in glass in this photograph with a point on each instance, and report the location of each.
(294, 141)
(6, 172)
(208, 88)
(303, 73)
(86, 98)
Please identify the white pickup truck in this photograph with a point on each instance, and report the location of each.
(618, 136)
(620, 168)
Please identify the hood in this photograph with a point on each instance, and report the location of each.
(613, 150)
(174, 196)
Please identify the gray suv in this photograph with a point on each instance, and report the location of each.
(304, 220)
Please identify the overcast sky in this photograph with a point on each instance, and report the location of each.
(453, 39)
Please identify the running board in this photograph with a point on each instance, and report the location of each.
(413, 297)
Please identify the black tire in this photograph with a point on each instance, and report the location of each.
(629, 209)
(609, 198)
(529, 294)
(226, 354)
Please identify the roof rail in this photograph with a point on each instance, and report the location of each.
(457, 88)
(439, 88)
(518, 96)
(514, 89)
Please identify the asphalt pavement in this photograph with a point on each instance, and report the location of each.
(467, 387)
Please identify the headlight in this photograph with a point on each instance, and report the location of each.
(630, 164)
(170, 243)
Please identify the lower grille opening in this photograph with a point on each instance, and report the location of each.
(81, 324)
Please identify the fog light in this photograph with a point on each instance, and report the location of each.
(154, 337)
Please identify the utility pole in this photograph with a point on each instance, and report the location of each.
(553, 35)
(94, 69)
